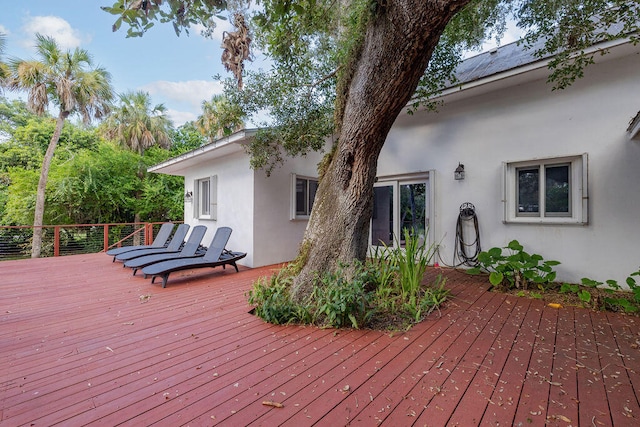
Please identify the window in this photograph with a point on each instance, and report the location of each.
(546, 191)
(303, 195)
(206, 206)
(399, 205)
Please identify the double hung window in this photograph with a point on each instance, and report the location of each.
(303, 195)
(547, 191)
(206, 203)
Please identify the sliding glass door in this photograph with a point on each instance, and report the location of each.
(399, 205)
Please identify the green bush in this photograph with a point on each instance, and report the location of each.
(386, 289)
(515, 268)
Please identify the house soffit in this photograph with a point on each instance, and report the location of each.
(223, 147)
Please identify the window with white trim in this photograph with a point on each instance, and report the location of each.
(303, 194)
(550, 191)
(206, 198)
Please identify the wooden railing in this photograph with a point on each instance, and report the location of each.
(60, 240)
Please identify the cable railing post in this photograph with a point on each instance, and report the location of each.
(56, 240)
(148, 233)
(105, 239)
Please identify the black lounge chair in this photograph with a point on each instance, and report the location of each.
(174, 245)
(159, 242)
(189, 250)
(216, 255)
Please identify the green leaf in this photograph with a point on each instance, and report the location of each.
(484, 258)
(495, 252)
(585, 296)
(496, 278)
(514, 245)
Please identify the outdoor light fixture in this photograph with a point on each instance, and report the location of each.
(458, 174)
(188, 196)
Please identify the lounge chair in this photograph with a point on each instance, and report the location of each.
(174, 245)
(189, 250)
(216, 255)
(159, 242)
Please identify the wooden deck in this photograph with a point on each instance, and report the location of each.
(82, 342)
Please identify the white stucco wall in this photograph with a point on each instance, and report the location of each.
(530, 121)
(277, 236)
(235, 201)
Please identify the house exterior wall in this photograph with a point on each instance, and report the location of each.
(277, 236)
(523, 122)
(235, 201)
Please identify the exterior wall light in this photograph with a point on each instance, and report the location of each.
(188, 196)
(458, 174)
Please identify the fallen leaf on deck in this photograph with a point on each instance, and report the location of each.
(272, 403)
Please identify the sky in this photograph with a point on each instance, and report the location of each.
(176, 71)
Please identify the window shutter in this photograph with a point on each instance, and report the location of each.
(196, 199)
(213, 189)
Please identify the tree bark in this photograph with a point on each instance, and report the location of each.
(36, 246)
(398, 45)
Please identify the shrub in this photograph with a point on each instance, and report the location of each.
(385, 289)
(515, 268)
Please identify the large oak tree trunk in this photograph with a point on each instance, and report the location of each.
(398, 45)
(36, 245)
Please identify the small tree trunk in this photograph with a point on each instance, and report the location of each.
(136, 237)
(36, 246)
(398, 45)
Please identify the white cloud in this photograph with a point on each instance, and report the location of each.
(55, 27)
(192, 92)
(4, 30)
(180, 117)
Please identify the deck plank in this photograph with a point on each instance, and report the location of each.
(83, 342)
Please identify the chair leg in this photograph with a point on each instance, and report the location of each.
(165, 277)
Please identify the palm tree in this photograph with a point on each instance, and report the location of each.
(219, 118)
(4, 69)
(136, 124)
(69, 80)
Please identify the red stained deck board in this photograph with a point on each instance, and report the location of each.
(59, 315)
(623, 403)
(592, 398)
(434, 404)
(210, 399)
(201, 374)
(392, 384)
(476, 398)
(515, 372)
(626, 332)
(563, 398)
(534, 400)
(245, 405)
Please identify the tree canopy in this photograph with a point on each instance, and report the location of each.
(91, 180)
(314, 44)
(137, 124)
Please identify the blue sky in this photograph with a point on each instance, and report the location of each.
(176, 71)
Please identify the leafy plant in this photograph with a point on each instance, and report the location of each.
(618, 299)
(516, 267)
(340, 302)
(273, 301)
(389, 284)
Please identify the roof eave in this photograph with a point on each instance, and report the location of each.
(219, 148)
